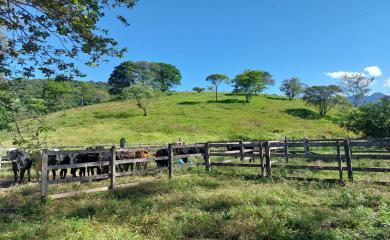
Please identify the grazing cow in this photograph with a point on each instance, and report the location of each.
(177, 151)
(64, 171)
(86, 158)
(52, 160)
(122, 155)
(21, 163)
(141, 154)
(231, 148)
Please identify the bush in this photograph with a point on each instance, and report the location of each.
(370, 120)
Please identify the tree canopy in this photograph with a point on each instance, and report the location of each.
(41, 35)
(356, 85)
(161, 76)
(251, 82)
(198, 89)
(216, 80)
(323, 98)
(142, 93)
(292, 87)
(370, 120)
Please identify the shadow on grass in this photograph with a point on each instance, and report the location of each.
(303, 113)
(117, 115)
(276, 97)
(228, 101)
(141, 191)
(188, 103)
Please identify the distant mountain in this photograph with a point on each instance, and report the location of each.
(371, 98)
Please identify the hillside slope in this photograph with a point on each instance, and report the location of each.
(193, 117)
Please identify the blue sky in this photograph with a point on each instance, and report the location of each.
(304, 38)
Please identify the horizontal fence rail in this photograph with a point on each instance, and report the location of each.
(268, 152)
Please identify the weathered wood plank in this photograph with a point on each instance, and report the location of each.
(79, 179)
(312, 156)
(78, 165)
(371, 156)
(308, 167)
(74, 152)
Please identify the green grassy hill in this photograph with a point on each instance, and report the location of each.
(193, 117)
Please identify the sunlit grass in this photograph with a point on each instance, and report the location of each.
(193, 117)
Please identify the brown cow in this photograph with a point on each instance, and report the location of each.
(141, 153)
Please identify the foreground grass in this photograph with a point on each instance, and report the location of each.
(193, 117)
(226, 204)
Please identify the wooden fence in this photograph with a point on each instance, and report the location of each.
(268, 152)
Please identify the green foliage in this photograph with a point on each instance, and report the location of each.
(23, 120)
(216, 80)
(60, 94)
(292, 87)
(166, 75)
(251, 82)
(46, 34)
(161, 76)
(142, 94)
(198, 89)
(370, 120)
(323, 98)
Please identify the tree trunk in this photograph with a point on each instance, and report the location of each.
(145, 111)
(216, 94)
(247, 98)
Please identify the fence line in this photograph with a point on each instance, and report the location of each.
(266, 151)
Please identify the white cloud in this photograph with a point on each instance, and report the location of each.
(387, 83)
(339, 74)
(373, 71)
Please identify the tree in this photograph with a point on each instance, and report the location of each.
(198, 89)
(216, 80)
(161, 76)
(142, 94)
(323, 98)
(370, 120)
(41, 35)
(24, 120)
(251, 82)
(356, 85)
(292, 87)
(57, 95)
(166, 75)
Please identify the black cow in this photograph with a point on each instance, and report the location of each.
(177, 151)
(234, 148)
(64, 171)
(86, 158)
(21, 163)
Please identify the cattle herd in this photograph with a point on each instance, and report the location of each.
(21, 161)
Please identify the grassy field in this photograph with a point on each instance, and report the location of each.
(228, 203)
(193, 117)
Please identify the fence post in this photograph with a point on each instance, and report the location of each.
(170, 161)
(339, 160)
(207, 156)
(122, 143)
(348, 159)
(286, 148)
(261, 158)
(44, 175)
(1, 155)
(242, 150)
(113, 168)
(268, 159)
(306, 145)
